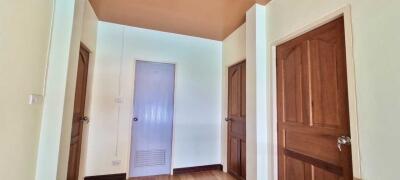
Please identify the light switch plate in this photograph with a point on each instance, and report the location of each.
(34, 99)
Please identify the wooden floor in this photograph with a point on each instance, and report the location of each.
(206, 175)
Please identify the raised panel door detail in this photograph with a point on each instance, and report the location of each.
(312, 104)
(320, 174)
(301, 143)
(234, 156)
(235, 92)
(295, 85)
(291, 85)
(237, 120)
(327, 82)
(243, 158)
(295, 169)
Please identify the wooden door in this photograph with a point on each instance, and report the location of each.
(237, 120)
(313, 106)
(79, 116)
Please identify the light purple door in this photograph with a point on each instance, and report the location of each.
(152, 125)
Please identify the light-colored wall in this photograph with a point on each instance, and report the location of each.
(234, 47)
(70, 88)
(233, 51)
(53, 110)
(375, 43)
(89, 28)
(74, 22)
(24, 40)
(197, 125)
(85, 32)
(256, 94)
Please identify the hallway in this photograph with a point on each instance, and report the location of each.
(261, 89)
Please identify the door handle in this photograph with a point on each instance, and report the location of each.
(343, 140)
(228, 119)
(135, 119)
(85, 119)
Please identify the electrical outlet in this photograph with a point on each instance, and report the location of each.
(116, 162)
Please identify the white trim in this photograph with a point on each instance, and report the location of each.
(352, 89)
(132, 64)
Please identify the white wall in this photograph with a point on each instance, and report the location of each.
(256, 94)
(24, 40)
(197, 125)
(53, 110)
(376, 43)
(74, 22)
(70, 88)
(85, 32)
(233, 51)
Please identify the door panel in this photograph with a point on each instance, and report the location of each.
(313, 105)
(293, 87)
(320, 174)
(235, 108)
(329, 81)
(78, 116)
(296, 85)
(295, 169)
(152, 125)
(301, 143)
(243, 158)
(234, 156)
(237, 120)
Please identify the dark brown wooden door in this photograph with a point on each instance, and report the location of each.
(237, 120)
(313, 106)
(79, 116)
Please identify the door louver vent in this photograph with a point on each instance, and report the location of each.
(150, 158)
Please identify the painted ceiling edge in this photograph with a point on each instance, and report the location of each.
(219, 34)
(171, 32)
(263, 2)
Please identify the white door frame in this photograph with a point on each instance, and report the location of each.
(132, 74)
(352, 89)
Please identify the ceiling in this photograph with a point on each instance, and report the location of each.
(211, 19)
